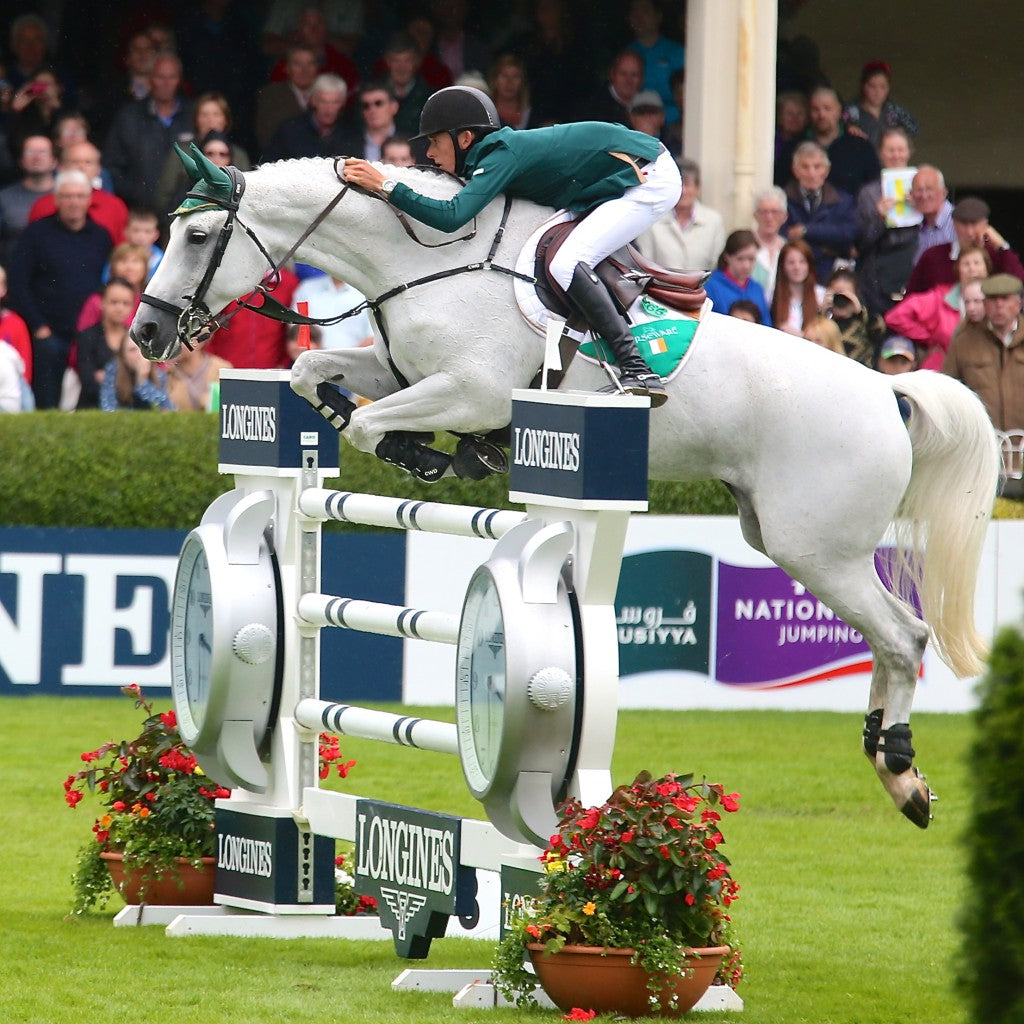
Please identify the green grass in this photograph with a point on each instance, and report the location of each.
(846, 917)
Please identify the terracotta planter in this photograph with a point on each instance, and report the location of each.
(604, 980)
(183, 885)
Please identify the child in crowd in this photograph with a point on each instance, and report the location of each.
(98, 344)
(897, 355)
(744, 309)
(131, 264)
(143, 228)
(798, 296)
(843, 306)
(193, 379)
(825, 333)
(316, 340)
(131, 381)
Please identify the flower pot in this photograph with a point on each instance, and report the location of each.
(182, 885)
(604, 980)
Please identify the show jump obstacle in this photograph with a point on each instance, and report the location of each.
(536, 678)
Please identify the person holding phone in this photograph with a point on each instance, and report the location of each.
(36, 106)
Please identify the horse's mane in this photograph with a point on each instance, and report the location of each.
(428, 181)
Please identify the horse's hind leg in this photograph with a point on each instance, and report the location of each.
(897, 640)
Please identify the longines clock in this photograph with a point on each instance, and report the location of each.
(517, 680)
(226, 639)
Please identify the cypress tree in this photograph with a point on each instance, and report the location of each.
(991, 974)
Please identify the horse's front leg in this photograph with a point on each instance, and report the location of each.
(356, 369)
(396, 427)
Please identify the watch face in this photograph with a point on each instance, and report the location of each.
(198, 642)
(485, 671)
(192, 638)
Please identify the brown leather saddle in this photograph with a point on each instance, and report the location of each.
(626, 273)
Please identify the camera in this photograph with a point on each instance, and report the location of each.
(842, 303)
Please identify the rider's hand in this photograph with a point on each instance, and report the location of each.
(364, 174)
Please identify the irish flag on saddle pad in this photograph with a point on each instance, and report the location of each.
(662, 336)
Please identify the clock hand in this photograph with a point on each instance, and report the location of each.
(203, 642)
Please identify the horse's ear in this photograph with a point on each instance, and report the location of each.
(216, 177)
(191, 167)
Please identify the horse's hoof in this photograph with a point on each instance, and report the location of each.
(918, 804)
(476, 459)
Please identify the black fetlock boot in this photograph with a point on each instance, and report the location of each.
(591, 298)
(405, 449)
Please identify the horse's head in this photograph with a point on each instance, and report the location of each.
(207, 263)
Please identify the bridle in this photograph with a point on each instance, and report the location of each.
(195, 318)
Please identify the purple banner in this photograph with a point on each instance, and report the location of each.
(773, 632)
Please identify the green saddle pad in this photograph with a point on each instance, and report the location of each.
(662, 343)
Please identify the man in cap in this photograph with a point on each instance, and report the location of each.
(989, 356)
(623, 180)
(937, 265)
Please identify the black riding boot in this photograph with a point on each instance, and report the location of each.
(592, 299)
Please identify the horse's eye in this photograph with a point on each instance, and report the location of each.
(196, 237)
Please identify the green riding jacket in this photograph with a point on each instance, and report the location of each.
(567, 166)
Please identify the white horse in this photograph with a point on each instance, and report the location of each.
(816, 449)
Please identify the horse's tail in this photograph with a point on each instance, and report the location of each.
(944, 514)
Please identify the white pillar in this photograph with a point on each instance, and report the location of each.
(730, 101)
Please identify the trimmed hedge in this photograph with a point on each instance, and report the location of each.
(159, 471)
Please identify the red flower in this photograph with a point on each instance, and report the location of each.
(709, 815)
(685, 802)
(170, 719)
(712, 841)
(731, 802)
(579, 1014)
(221, 793)
(533, 931)
(664, 851)
(73, 796)
(668, 788)
(590, 819)
(627, 837)
(689, 899)
(119, 805)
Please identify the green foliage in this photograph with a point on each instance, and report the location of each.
(992, 920)
(155, 471)
(643, 871)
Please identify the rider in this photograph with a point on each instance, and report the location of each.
(625, 181)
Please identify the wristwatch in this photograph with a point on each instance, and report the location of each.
(387, 187)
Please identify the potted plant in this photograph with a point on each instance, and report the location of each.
(156, 828)
(638, 889)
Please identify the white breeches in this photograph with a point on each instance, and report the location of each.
(614, 223)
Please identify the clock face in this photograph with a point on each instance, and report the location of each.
(198, 642)
(482, 671)
(487, 673)
(192, 622)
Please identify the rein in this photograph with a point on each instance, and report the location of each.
(195, 317)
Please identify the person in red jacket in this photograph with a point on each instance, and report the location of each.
(105, 208)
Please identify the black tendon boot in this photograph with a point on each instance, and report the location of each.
(591, 298)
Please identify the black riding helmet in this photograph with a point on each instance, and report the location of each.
(456, 109)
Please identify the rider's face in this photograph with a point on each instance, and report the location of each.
(442, 151)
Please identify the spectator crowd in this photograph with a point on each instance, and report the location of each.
(857, 246)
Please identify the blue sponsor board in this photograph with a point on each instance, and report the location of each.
(595, 452)
(86, 611)
(264, 423)
(265, 862)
